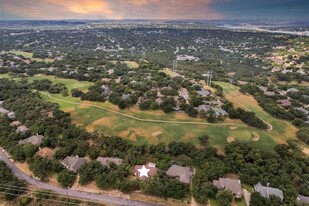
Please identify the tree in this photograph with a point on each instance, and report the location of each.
(66, 178)
(76, 92)
(224, 197)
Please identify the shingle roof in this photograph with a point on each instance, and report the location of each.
(302, 199)
(268, 191)
(203, 93)
(184, 173)
(35, 140)
(3, 111)
(152, 170)
(22, 129)
(233, 185)
(107, 160)
(73, 163)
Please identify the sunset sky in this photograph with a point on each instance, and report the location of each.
(154, 9)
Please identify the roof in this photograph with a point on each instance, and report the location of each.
(73, 163)
(152, 170)
(22, 129)
(233, 185)
(303, 199)
(184, 173)
(284, 102)
(107, 160)
(1, 102)
(15, 124)
(3, 111)
(292, 90)
(268, 191)
(202, 107)
(11, 115)
(203, 93)
(35, 140)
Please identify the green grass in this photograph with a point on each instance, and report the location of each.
(142, 132)
(213, 202)
(29, 55)
(282, 130)
(241, 202)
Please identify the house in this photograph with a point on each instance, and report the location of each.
(11, 115)
(303, 199)
(234, 185)
(202, 107)
(159, 101)
(302, 110)
(1, 102)
(184, 174)
(269, 94)
(3, 111)
(292, 90)
(142, 171)
(35, 140)
(140, 100)
(106, 89)
(284, 102)
(266, 191)
(219, 111)
(203, 93)
(107, 160)
(22, 129)
(73, 163)
(125, 96)
(15, 124)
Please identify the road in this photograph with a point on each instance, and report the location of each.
(69, 192)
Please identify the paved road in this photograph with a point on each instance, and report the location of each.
(72, 193)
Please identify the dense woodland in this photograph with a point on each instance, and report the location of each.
(285, 168)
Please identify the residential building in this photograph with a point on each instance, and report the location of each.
(73, 163)
(292, 90)
(35, 140)
(142, 171)
(234, 185)
(3, 111)
(183, 174)
(203, 93)
(267, 191)
(284, 102)
(106, 161)
(22, 129)
(11, 115)
(303, 199)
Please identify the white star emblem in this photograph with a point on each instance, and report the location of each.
(143, 172)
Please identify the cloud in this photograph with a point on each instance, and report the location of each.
(111, 9)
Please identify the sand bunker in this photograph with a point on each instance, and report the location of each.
(230, 139)
(233, 128)
(255, 137)
(155, 134)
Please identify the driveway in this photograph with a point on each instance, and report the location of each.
(69, 192)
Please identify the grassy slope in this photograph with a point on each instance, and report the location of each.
(282, 130)
(110, 123)
(29, 55)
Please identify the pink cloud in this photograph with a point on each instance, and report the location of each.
(112, 9)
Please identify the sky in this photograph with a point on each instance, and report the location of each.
(154, 9)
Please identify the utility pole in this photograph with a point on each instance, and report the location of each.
(175, 65)
(144, 55)
(210, 78)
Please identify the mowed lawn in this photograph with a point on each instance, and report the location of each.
(282, 130)
(93, 116)
(29, 55)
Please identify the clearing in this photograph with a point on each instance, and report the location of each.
(152, 127)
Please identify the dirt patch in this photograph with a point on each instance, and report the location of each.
(92, 187)
(124, 134)
(255, 136)
(305, 151)
(155, 134)
(46, 152)
(133, 137)
(24, 167)
(106, 121)
(230, 139)
(233, 128)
